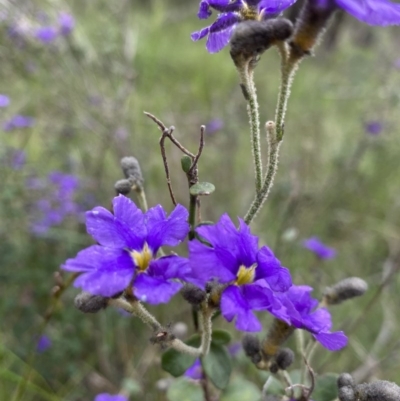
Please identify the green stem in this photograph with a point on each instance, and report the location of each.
(261, 197)
(192, 215)
(249, 89)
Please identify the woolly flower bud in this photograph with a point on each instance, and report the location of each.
(284, 358)
(193, 294)
(381, 390)
(88, 303)
(345, 379)
(346, 289)
(123, 187)
(251, 38)
(251, 345)
(131, 169)
(346, 393)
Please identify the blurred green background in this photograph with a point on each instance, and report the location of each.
(86, 91)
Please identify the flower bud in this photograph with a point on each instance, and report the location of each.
(310, 25)
(251, 38)
(88, 303)
(192, 294)
(132, 171)
(346, 393)
(346, 289)
(284, 358)
(381, 390)
(345, 379)
(251, 345)
(123, 186)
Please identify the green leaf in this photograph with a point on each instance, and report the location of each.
(202, 188)
(325, 387)
(217, 365)
(175, 362)
(221, 337)
(184, 390)
(241, 389)
(186, 163)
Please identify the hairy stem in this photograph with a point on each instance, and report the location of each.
(249, 91)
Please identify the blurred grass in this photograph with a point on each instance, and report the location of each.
(87, 94)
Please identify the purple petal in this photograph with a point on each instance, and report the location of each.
(269, 267)
(234, 304)
(195, 372)
(166, 231)
(108, 231)
(318, 321)
(46, 34)
(200, 34)
(204, 10)
(373, 12)
(332, 341)
(206, 264)
(154, 290)
(247, 244)
(221, 31)
(274, 6)
(319, 248)
(258, 298)
(169, 267)
(126, 211)
(109, 397)
(43, 343)
(4, 100)
(104, 282)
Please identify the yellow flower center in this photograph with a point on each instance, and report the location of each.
(249, 13)
(142, 259)
(246, 274)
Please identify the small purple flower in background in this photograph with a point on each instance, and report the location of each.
(397, 63)
(234, 259)
(66, 23)
(232, 12)
(195, 372)
(127, 252)
(43, 343)
(373, 128)
(46, 34)
(300, 305)
(214, 126)
(4, 100)
(322, 251)
(18, 159)
(18, 121)
(58, 202)
(109, 397)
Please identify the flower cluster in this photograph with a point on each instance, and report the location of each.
(243, 277)
(56, 203)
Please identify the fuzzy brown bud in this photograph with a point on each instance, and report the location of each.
(310, 25)
(88, 303)
(251, 38)
(193, 294)
(251, 345)
(345, 379)
(381, 390)
(346, 289)
(346, 393)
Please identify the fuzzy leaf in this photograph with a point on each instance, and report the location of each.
(202, 188)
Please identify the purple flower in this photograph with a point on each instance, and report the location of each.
(232, 12)
(300, 305)
(373, 127)
(18, 159)
(195, 372)
(66, 23)
(234, 260)
(127, 252)
(319, 248)
(43, 344)
(214, 125)
(4, 100)
(46, 34)
(109, 397)
(18, 121)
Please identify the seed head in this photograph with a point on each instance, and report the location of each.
(346, 289)
(88, 303)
